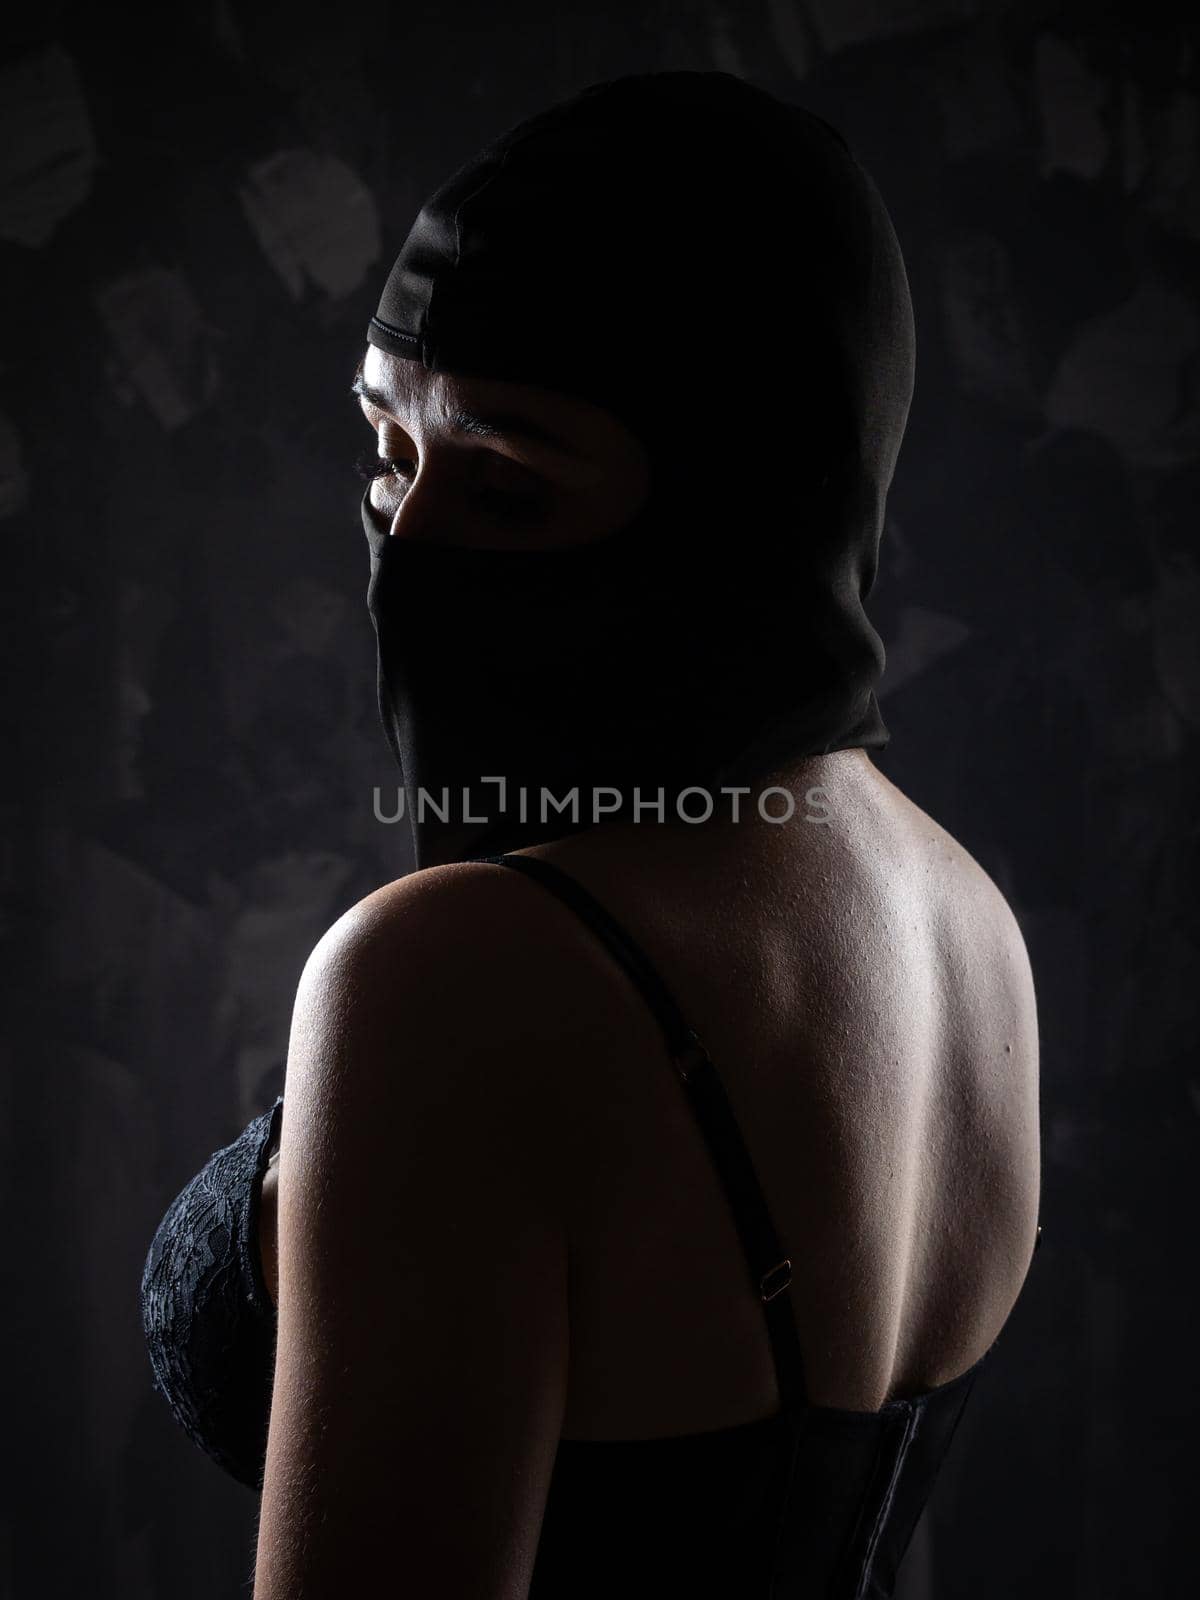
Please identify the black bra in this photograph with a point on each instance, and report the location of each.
(815, 1501)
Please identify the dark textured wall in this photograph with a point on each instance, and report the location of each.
(196, 212)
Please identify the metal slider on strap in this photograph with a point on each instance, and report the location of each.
(775, 1281)
(690, 1056)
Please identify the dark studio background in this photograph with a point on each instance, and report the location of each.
(197, 210)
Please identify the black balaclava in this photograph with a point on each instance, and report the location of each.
(714, 267)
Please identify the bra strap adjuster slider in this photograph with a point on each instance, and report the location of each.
(775, 1281)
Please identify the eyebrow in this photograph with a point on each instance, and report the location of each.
(498, 425)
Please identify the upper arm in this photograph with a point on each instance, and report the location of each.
(420, 1373)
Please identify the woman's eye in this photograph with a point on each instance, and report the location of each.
(371, 466)
(506, 505)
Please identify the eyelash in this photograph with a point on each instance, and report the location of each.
(504, 503)
(372, 466)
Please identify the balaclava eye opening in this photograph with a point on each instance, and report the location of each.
(714, 267)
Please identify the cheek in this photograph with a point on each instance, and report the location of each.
(384, 497)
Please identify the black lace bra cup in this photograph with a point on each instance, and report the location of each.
(812, 1501)
(208, 1320)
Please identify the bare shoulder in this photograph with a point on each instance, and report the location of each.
(452, 993)
(472, 930)
(477, 979)
(961, 882)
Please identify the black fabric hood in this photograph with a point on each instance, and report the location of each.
(715, 267)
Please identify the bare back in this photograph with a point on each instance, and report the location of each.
(865, 992)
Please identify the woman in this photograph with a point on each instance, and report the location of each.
(642, 1226)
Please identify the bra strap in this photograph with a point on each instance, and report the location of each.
(770, 1269)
